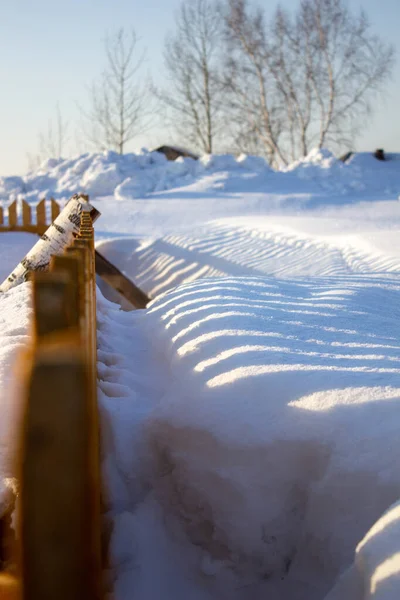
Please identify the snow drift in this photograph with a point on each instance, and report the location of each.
(133, 176)
(268, 435)
(249, 420)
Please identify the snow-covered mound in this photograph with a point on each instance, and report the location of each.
(108, 173)
(362, 172)
(15, 312)
(376, 569)
(246, 247)
(133, 176)
(258, 434)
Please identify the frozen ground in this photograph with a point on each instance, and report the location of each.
(250, 416)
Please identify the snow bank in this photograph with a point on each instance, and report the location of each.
(261, 440)
(376, 569)
(136, 175)
(106, 174)
(361, 173)
(249, 246)
(257, 434)
(15, 314)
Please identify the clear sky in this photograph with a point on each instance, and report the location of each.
(51, 50)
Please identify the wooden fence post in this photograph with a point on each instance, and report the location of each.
(55, 209)
(26, 214)
(41, 213)
(55, 301)
(12, 214)
(60, 516)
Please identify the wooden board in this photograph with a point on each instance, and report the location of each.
(41, 213)
(12, 214)
(59, 510)
(26, 214)
(55, 209)
(117, 280)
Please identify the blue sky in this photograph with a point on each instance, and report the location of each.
(51, 50)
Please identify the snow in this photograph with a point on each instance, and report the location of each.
(14, 334)
(132, 176)
(376, 569)
(249, 415)
(269, 431)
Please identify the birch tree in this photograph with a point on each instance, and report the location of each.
(311, 76)
(119, 101)
(193, 96)
(52, 141)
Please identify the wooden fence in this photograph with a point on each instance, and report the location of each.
(58, 553)
(32, 221)
(9, 221)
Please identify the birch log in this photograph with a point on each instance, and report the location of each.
(59, 235)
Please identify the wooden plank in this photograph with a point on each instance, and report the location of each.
(60, 482)
(26, 214)
(10, 588)
(89, 334)
(12, 215)
(1, 216)
(55, 209)
(7, 540)
(55, 300)
(41, 213)
(113, 276)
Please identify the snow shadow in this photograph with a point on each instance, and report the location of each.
(275, 439)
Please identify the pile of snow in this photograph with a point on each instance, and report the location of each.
(253, 445)
(133, 176)
(362, 172)
(108, 173)
(376, 569)
(247, 247)
(15, 314)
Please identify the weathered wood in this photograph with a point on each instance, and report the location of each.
(41, 213)
(41, 224)
(12, 215)
(55, 209)
(55, 300)
(26, 214)
(113, 276)
(60, 481)
(60, 512)
(10, 588)
(59, 235)
(85, 245)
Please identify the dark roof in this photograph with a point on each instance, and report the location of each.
(173, 152)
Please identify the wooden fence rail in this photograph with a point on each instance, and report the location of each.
(59, 554)
(32, 221)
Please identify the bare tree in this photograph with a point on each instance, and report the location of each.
(51, 142)
(192, 60)
(119, 101)
(311, 77)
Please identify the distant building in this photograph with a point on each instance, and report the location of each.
(173, 152)
(379, 154)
